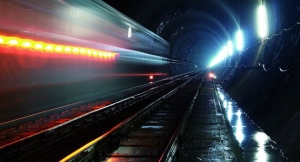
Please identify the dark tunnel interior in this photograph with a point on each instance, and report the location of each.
(263, 77)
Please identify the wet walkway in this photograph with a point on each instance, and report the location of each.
(207, 136)
(257, 146)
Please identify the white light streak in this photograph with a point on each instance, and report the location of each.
(129, 32)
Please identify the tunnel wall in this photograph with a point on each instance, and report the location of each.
(266, 85)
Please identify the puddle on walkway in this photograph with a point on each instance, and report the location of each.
(256, 145)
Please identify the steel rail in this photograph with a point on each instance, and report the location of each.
(88, 149)
(171, 148)
(84, 118)
(36, 116)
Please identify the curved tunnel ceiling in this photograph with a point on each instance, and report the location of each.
(198, 29)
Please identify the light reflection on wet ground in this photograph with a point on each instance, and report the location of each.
(256, 145)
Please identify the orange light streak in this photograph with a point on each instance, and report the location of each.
(16, 43)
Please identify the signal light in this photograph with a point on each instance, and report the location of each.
(212, 75)
(12, 42)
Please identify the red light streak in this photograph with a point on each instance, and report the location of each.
(136, 74)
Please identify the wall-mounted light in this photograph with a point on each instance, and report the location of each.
(229, 48)
(239, 40)
(262, 21)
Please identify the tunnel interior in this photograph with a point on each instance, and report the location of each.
(263, 77)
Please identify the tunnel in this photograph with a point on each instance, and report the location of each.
(261, 76)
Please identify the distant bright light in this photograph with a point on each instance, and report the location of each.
(262, 21)
(220, 57)
(239, 40)
(151, 77)
(129, 32)
(229, 48)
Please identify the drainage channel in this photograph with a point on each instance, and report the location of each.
(150, 134)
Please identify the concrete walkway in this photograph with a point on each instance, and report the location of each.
(207, 136)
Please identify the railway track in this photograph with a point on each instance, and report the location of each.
(54, 143)
(149, 135)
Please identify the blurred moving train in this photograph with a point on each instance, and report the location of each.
(57, 52)
(90, 20)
